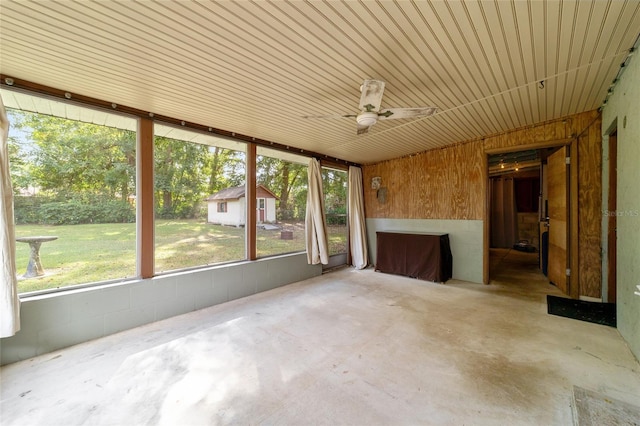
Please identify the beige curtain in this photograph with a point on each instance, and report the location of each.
(504, 216)
(315, 223)
(9, 302)
(357, 223)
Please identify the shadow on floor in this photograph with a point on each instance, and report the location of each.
(508, 265)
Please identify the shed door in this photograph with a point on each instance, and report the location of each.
(261, 209)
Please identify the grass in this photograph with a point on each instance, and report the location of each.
(91, 253)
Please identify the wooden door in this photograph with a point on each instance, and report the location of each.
(612, 235)
(557, 178)
(261, 209)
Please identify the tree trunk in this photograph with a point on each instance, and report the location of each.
(124, 190)
(166, 201)
(285, 213)
(215, 170)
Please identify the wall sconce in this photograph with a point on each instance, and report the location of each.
(375, 182)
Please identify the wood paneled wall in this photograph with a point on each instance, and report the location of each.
(437, 184)
(451, 183)
(590, 210)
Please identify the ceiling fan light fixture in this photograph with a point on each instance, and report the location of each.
(370, 112)
(366, 119)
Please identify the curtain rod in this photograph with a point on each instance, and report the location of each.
(65, 96)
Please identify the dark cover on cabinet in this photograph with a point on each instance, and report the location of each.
(417, 255)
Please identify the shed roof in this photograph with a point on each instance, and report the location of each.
(237, 192)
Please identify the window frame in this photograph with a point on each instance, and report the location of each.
(146, 122)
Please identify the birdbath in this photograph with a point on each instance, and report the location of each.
(34, 268)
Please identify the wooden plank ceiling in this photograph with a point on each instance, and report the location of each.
(257, 68)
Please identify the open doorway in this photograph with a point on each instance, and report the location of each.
(528, 213)
(514, 204)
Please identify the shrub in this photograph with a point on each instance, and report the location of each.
(113, 211)
(25, 209)
(337, 216)
(64, 213)
(49, 211)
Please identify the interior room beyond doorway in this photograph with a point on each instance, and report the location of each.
(519, 212)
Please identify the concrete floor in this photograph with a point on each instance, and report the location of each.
(350, 347)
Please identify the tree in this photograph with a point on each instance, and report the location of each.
(334, 186)
(19, 165)
(287, 180)
(186, 173)
(88, 163)
(226, 169)
(67, 157)
(179, 177)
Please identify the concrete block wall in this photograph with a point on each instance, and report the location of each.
(53, 321)
(529, 228)
(465, 237)
(621, 113)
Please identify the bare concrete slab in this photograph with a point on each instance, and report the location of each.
(346, 348)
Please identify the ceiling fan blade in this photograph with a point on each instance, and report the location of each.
(363, 129)
(371, 97)
(330, 116)
(395, 113)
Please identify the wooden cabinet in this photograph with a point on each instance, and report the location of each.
(417, 255)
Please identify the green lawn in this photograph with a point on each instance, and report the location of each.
(91, 253)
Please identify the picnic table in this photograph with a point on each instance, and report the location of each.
(34, 268)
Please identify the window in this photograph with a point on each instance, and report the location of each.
(73, 172)
(195, 175)
(282, 202)
(334, 186)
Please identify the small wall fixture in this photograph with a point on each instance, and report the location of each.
(375, 182)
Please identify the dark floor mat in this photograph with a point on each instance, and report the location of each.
(599, 313)
(594, 409)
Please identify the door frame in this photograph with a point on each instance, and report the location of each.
(572, 214)
(262, 211)
(612, 225)
(609, 271)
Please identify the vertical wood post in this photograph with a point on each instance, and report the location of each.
(573, 226)
(144, 199)
(486, 229)
(250, 192)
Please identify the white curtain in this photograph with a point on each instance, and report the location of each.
(9, 302)
(315, 223)
(357, 224)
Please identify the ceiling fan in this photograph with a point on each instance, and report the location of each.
(370, 112)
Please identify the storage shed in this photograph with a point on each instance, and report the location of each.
(227, 207)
